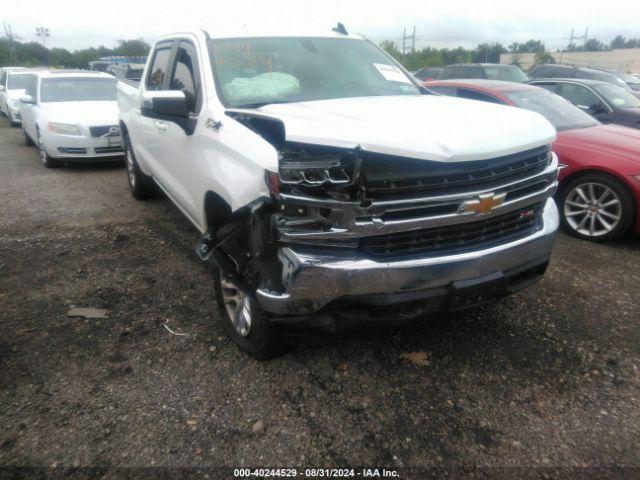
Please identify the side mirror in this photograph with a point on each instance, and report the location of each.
(27, 99)
(168, 105)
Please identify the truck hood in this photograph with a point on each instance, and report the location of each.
(84, 113)
(426, 127)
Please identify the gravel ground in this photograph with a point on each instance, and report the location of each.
(545, 378)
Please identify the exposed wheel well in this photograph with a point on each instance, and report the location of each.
(217, 211)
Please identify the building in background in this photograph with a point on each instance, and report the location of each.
(624, 59)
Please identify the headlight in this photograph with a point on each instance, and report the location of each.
(63, 128)
(314, 171)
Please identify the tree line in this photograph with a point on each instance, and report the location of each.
(31, 54)
(490, 52)
(35, 54)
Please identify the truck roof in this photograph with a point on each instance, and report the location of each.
(248, 32)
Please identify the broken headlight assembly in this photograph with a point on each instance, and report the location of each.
(305, 169)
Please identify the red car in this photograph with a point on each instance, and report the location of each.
(599, 194)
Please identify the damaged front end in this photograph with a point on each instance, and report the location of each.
(349, 225)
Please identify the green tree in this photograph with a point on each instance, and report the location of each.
(132, 48)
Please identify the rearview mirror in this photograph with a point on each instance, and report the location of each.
(27, 99)
(165, 105)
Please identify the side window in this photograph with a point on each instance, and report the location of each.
(158, 70)
(3, 79)
(451, 72)
(581, 96)
(473, 95)
(552, 87)
(185, 75)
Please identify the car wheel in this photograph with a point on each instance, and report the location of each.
(596, 207)
(244, 322)
(27, 139)
(46, 160)
(140, 185)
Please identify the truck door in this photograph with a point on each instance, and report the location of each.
(182, 153)
(151, 131)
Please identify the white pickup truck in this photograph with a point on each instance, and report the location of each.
(330, 188)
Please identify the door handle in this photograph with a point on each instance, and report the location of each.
(161, 126)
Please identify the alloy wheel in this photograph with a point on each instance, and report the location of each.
(592, 209)
(238, 307)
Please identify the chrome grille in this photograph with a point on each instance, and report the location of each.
(103, 130)
(386, 178)
(499, 228)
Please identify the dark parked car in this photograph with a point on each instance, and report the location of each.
(568, 71)
(427, 74)
(490, 71)
(631, 80)
(604, 101)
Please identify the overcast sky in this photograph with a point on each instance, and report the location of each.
(77, 24)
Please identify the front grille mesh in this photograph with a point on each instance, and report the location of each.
(453, 238)
(386, 178)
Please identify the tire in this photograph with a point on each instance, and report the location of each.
(27, 139)
(46, 160)
(258, 337)
(596, 207)
(141, 186)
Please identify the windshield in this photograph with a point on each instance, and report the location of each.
(77, 89)
(18, 81)
(617, 96)
(251, 72)
(562, 114)
(610, 78)
(506, 73)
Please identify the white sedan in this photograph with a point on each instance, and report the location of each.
(13, 83)
(72, 116)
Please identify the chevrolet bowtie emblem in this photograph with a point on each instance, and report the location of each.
(483, 204)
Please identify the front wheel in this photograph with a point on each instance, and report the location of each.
(140, 185)
(596, 207)
(244, 322)
(46, 160)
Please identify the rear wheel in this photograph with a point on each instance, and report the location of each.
(244, 322)
(597, 207)
(46, 160)
(140, 185)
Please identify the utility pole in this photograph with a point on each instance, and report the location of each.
(413, 40)
(570, 43)
(12, 41)
(43, 33)
(586, 36)
(404, 39)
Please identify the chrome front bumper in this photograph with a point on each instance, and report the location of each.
(312, 280)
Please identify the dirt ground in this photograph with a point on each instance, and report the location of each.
(546, 378)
